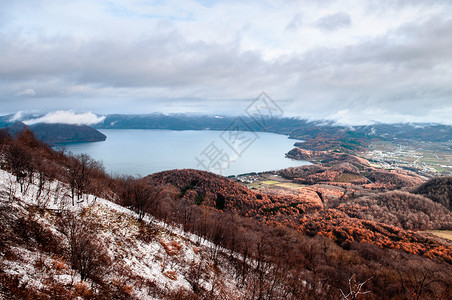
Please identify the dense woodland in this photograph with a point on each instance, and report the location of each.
(439, 190)
(359, 247)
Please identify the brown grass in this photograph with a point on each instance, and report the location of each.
(445, 234)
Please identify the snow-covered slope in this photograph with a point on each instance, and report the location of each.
(131, 259)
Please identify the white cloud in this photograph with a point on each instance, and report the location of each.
(16, 117)
(67, 117)
(26, 92)
(373, 116)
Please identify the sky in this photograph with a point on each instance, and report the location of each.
(354, 62)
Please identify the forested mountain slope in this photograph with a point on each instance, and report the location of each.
(69, 230)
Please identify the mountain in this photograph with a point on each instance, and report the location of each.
(16, 127)
(161, 121)
(306, 211)
(69, 230)
(66, 133)
(5, 120)
(212, 190)
(296, 128)
(59, 133)
(97, 250)
(401, 209)
(318, 135)
(343, 168)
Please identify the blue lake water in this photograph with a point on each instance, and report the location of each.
(142, 152)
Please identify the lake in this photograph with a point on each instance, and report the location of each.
(142, 152)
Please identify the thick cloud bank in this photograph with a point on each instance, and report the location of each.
(67, 117)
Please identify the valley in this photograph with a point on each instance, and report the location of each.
(324, 223)
(429, 159)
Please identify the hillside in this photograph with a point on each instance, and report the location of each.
(438, 189)
(52, 134)
(343, 225)
(98, 249)
(70, 230)
(346, 169)
(401, 209)
(65, 133)
(216, 191)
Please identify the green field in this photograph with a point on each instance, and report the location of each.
(269, 182)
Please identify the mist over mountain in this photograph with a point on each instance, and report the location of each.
(294, 127)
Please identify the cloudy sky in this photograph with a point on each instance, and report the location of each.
(353, 61)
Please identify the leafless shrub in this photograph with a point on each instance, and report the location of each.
(354, 289)
(87, 254)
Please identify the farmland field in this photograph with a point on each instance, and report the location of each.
(445, 234)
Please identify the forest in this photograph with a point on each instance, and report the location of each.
(365, 245)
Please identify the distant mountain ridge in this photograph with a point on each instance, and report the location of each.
(66, 133)
(325, 133)
(59, 133)
(294, 127)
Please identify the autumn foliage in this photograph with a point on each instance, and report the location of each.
(280, 246)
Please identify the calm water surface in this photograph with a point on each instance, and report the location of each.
(142, 152)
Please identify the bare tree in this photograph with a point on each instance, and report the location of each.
(140, 195)
(87, 254)
(355, 288)
(11, 187)
(5, 140)
(80, 169)
(18, 159)
(45, 173)
(195, 274)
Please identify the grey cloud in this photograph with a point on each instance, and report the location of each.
(382, 5)
(26, 92)
(334, 21)
(296, 22)
(165, 60)
(365, 75)
(412, 48)
(418, 46)
(406, 72)
(392, 77)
